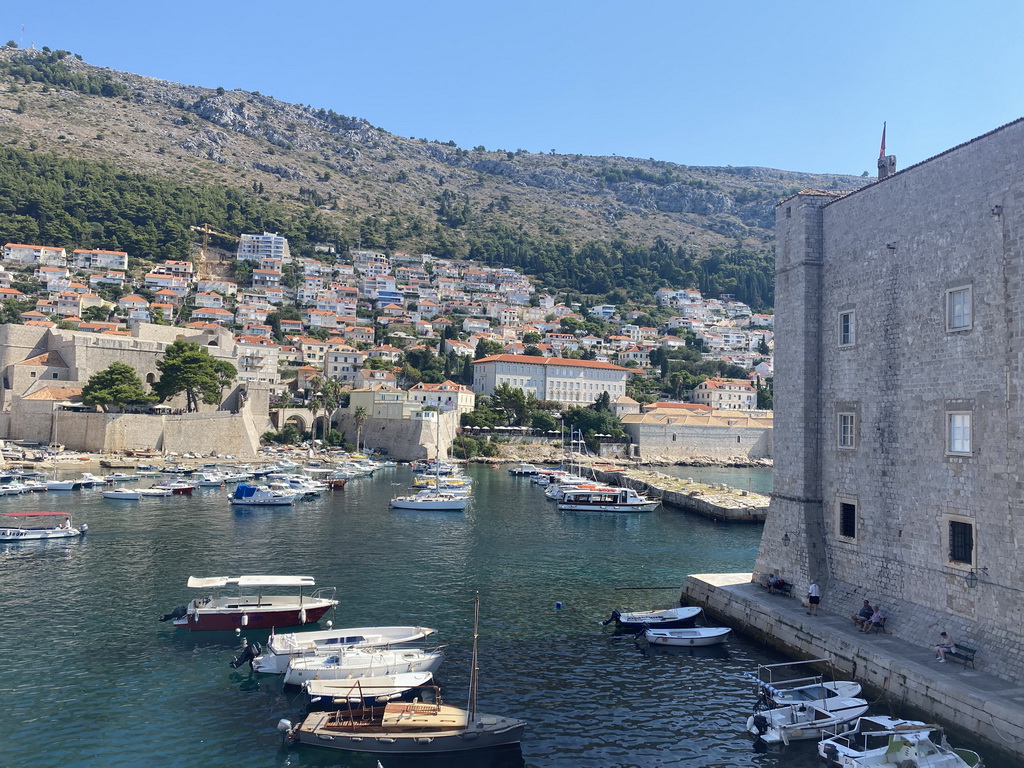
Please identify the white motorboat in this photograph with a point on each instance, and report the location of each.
(605, 500)
(246, 495)
(670, 618)
(362, 662)
(21, 532)
(282, 648)
(417, 727)
(772, 691)
(254, 606)
(363, 691)
(63, 485)
(123, 494)
(876, 742)
(432, 500)
(154, 491)
(806, 720)
(119, 477)
(208, 479)
(522, 469)
(687, 637)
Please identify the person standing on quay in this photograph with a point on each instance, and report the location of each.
(813, 598)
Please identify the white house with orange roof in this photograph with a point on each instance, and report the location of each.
(475, 325)
(446, 396)
(343, 363)
(216, 285)
(217, 315)
(463, 348)
(156, 281)
(183, 269)
(19, 253)
(257, 359)
(246, 314)
(726, 394)
(358, 334)
(385, 352)
(99, 259)
(135, 307)
(209, 300)
(320, 318)
(110, 277)
(571, 382)
(266, 278)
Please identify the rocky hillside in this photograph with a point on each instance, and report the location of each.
(379, 189)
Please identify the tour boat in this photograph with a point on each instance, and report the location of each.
(360, 662)
(805, 720)
(687, 637)
(282, 648)
(261, 496)
(255, 605)
(65, 530)
(611, 500)
(363, 691)
(412, 728)
(887, 741)
(671, 618)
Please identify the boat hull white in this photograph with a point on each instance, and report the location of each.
(282, 648)
(687, 637)
(361, 662)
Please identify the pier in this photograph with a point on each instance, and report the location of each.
(715, 501)
(970, 704)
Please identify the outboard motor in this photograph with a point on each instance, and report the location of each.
(614, 617)
(761, 724)
(249, 652)
(177, 613)
(831, 756)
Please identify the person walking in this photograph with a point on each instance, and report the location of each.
(813, 598)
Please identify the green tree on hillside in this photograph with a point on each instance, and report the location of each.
(187, 367)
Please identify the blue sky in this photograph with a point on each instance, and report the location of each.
(795, 85)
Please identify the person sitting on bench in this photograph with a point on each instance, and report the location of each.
(876, 622)
(945, 646)
(863, 615)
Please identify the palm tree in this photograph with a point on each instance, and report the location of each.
(331, 393)
(361, 417)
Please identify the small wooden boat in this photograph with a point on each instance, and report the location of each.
(281, 648)
(695, 636)
(412, 728)
(887, 741)
(19, 533)
(670, 618)
(363, 691)
(254, 606)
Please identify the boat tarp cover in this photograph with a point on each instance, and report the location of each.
(209, 582)
(244, 491)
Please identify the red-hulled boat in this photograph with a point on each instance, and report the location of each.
(255, 604)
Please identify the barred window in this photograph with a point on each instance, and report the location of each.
(961, 542)
(848, 519)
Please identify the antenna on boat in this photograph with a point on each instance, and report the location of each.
(473, 670)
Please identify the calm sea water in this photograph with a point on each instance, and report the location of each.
(92, 678)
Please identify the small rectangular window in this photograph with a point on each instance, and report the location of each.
(848, 519)
(847, 424)
(958, 433)
(961, 542)
(958, 309)
(847, 332)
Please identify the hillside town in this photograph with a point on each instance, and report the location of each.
(289, 323)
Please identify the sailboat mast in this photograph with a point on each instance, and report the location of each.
(474, 670)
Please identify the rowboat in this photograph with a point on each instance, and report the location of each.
(17, 533)
(254, 605)
(671, 618)
(363, 691)
(695, 636)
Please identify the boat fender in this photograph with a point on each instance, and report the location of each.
(760, 723)
(245, 619)
(302, 616)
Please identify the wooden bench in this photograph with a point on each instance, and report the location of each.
(880, 627)
(963, 653)
(785, 589)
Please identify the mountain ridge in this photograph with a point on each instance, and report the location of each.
(382, 190)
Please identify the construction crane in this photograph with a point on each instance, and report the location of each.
(205, 229)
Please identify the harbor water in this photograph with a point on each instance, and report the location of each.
(92, 678)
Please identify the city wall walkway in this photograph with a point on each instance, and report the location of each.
(971, 705)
